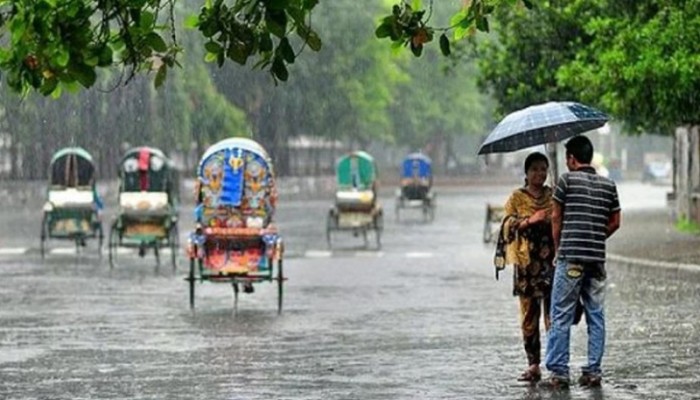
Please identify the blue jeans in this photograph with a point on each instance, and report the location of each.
(571, 281)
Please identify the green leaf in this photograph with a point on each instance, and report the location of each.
(191, 22)
(457, 18)
(286, 51)
(161, 75)
(156, 42)
(213, 47)
(265, 43)
(444, 45)
(238, 53)
(62, 57)
(278, 4)
(92, 60)
(146, 20)
(276, 23)
(106, 56)
(84, 74)
(417, 4)
(482, 24)
(48, 86)
(460, 33)
(310, 37)
(17, 27)
(56, 93)
(528, 4)
(210, 57)
(383, 30)
(279, 70)
(416, 50)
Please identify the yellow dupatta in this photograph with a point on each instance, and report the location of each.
(521, 205)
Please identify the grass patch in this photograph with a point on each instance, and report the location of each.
(686, 225)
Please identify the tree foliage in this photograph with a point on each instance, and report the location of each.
(520, 68)
(638, 60)
(642, 64)
(49, 45)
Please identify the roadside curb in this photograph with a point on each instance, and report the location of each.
(654, 263)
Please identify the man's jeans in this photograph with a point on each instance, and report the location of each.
(571, 281)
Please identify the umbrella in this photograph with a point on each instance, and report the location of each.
(540, 124)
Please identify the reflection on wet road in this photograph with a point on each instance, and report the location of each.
(423, 318)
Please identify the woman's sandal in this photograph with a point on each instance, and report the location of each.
(530, 375)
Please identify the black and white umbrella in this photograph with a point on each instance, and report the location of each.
(540, 124)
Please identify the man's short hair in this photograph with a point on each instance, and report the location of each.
(581, 148)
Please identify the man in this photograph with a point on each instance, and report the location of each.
(585, 212)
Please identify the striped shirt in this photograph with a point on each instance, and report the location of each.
(587, 201)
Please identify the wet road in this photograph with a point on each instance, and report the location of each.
(422, 318)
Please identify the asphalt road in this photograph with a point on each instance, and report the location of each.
(422, 318)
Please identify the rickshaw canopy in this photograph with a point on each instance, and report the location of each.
(357, 170)
(236, 173)
(416, 165)
(146, 169)
(72, 167)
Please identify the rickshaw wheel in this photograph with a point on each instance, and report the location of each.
(174, 241)
(330, 225)
(190, 278)
(236, 290)
(113, 242)
(100, 240)
(280, 286)
(43, 236)
(156, 252)
(378, 227)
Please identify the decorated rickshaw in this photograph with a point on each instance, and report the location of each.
(148, 205)
(416, 188)
(73, 207)
(235, 240)
(356, 207)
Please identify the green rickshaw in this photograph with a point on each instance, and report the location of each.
(148, 205)
(72, 209)
(356, 207)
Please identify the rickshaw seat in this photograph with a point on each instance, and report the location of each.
(144, 202)
(71, 198)
(354, 199)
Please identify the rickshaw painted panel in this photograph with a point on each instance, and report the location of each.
(236, 186)
(236, 261)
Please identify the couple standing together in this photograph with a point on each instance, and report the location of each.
(555, 240)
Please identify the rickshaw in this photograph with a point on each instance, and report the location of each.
(148, 205)
(416, 186)
(356, 207)
(73, 207)
(235, 240)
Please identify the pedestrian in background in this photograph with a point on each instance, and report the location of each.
(525, 241)
(585, 212)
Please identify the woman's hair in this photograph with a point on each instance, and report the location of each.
(533, 158)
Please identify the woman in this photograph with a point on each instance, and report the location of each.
(526, 240)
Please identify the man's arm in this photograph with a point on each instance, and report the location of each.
(556, 224)
(613, 222)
